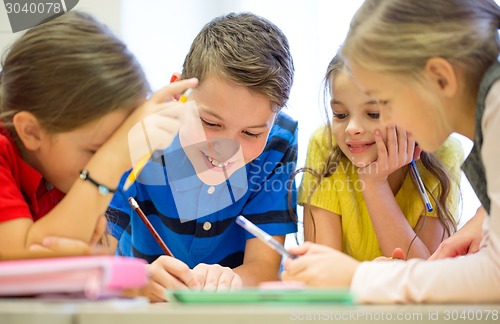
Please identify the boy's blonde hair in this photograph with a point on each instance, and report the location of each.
(398, 36)
(245, 49)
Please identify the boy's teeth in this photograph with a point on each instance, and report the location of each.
(217, 163)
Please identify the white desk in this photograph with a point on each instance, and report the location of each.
(23, 311)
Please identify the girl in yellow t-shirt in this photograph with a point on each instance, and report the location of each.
(358, 193)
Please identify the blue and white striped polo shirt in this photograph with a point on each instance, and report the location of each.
(214, 238)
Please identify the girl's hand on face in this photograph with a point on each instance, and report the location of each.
(168, 273)
(319, 266)
(153, 125)
(213, 277)
(399, 151)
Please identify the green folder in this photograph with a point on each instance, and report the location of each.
(255, 295)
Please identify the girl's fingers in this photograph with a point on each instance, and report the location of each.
(392, 142)
(402, 139)
(175, 77)
(38, 248)
(416, 153)
(296, 266)
(410, 151)
(66, 245)
(300, 249)
(398, 254)
(308, 248)
(172, 89)
(99, 231)
(382, 149)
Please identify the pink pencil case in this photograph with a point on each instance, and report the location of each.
(92, 276)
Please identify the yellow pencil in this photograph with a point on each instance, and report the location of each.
(185, 95)
(142, 162)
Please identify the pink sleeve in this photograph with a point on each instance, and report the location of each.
(473, 278)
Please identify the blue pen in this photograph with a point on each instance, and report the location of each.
(266, 238)
(421, 187)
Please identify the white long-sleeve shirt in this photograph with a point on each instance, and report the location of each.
(470, 278)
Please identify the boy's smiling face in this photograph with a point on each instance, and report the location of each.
(230, 131)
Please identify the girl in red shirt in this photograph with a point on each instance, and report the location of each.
(70, 94)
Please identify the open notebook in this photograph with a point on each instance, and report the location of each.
(89, 276)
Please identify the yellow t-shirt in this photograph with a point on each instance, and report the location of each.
(341, 194)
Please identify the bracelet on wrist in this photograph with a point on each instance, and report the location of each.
(103, 189)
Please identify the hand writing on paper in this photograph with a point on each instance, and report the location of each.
(214, 277)
(319, 266)
(168, 273)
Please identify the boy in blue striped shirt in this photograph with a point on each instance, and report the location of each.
(239, 165)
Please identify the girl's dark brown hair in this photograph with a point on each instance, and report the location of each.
(429, 160)
(68, 72)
